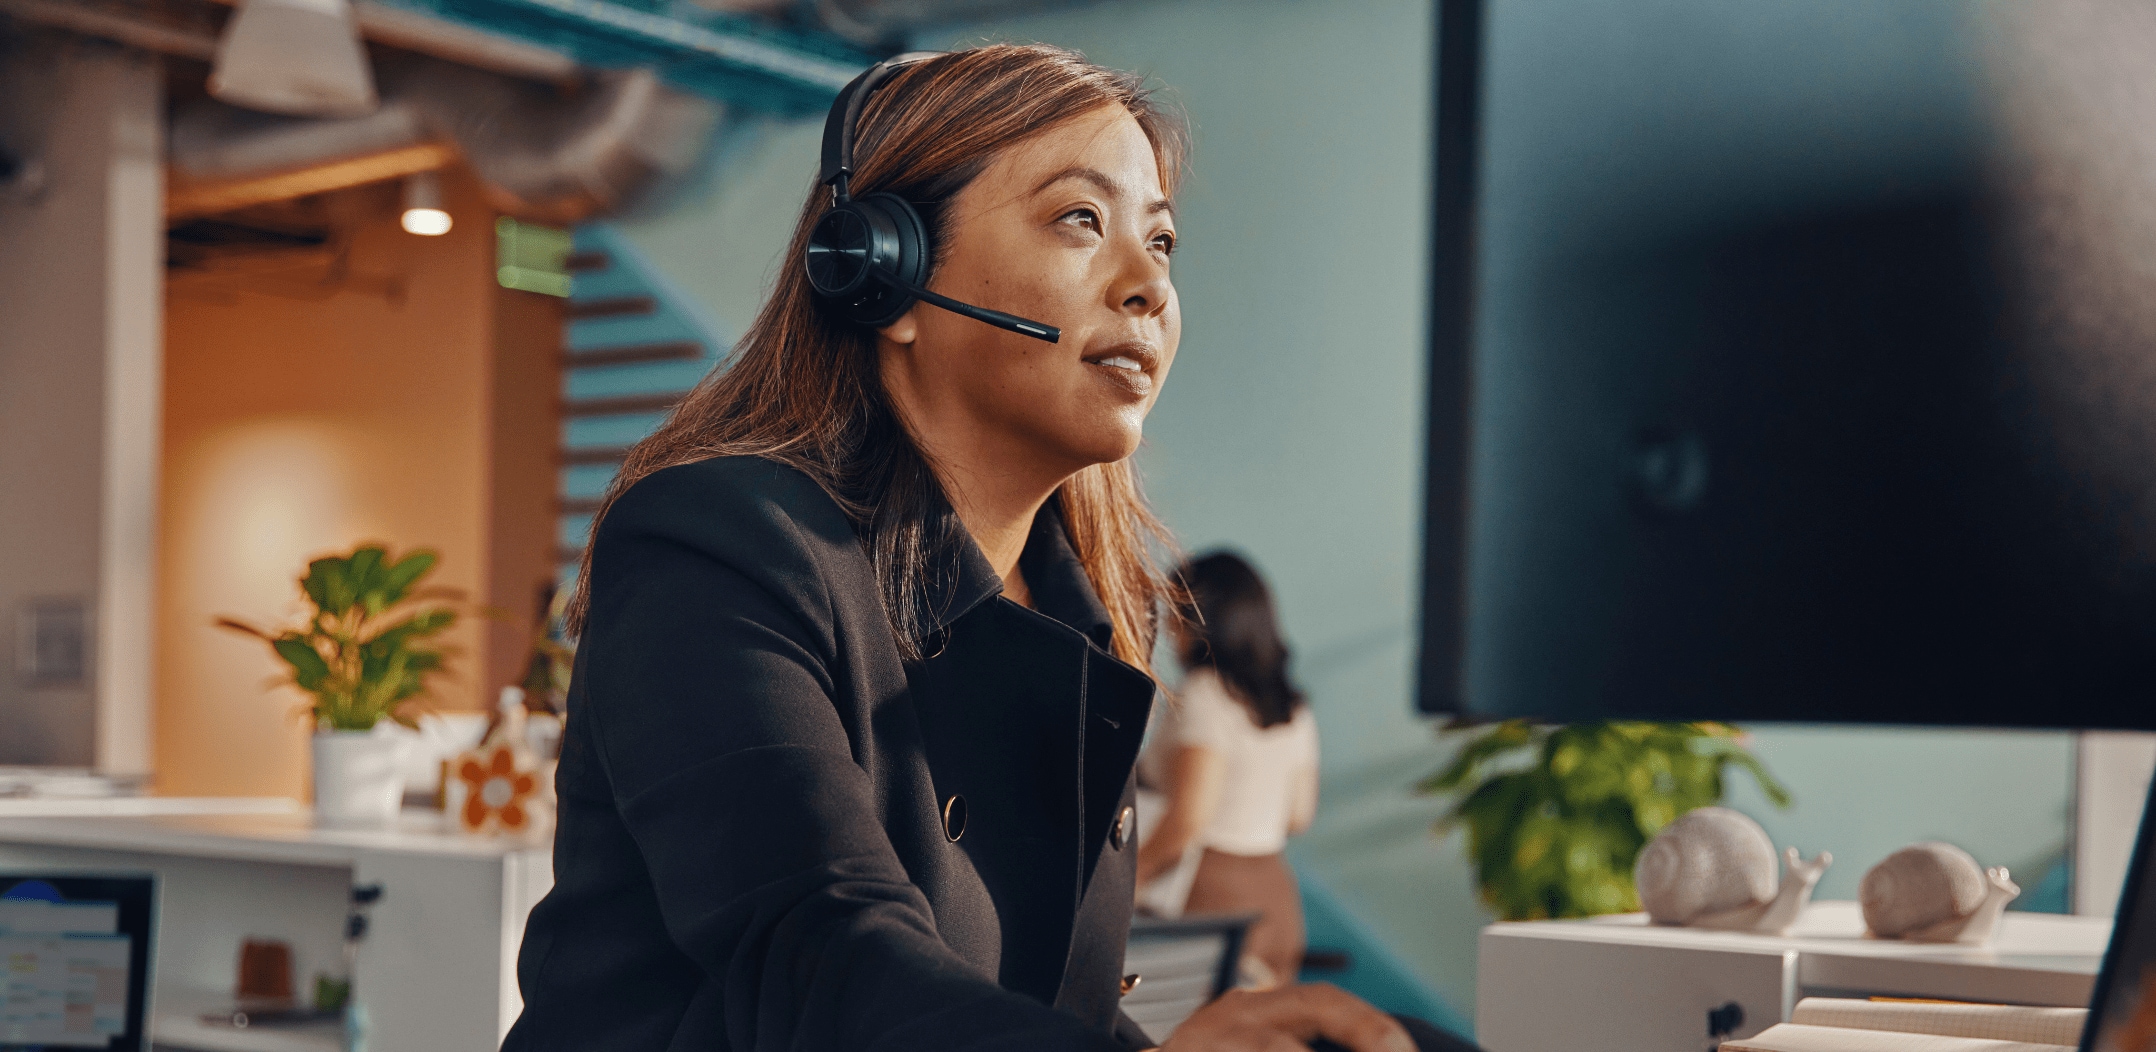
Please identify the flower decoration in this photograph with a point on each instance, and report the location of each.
(497, 793)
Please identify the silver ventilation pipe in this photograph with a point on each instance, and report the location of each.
(546, 155)
(887, 22)
(541, 152)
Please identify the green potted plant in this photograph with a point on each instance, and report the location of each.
(1556, 815)
(362, 658)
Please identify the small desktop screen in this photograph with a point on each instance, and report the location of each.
(74, 961)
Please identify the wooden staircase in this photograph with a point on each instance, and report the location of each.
(634, 348)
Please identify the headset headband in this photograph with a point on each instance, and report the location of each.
(846, 111)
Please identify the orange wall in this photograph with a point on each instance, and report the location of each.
(524, 437)
(311, 410)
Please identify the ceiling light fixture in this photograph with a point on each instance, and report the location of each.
(423, 212)
(298, 57)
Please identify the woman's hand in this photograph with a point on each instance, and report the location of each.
(1285, 1019)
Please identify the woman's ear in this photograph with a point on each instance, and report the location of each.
(903, 331)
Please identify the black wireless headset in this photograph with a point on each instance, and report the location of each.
(869, 256)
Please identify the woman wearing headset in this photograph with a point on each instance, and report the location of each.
(865, 624)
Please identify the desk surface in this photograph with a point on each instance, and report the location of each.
(2037, 958)
(289, 837)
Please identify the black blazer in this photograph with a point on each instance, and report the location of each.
(775, 835)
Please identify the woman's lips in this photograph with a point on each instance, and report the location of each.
(1128, 365)
(1125, 371)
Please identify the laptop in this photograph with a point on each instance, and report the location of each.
(75, 961)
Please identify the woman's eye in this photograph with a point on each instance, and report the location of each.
(1084, 217)
(1165, 243)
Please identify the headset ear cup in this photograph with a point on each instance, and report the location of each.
(859, 242)
(903, 251)
(841, 254)
(915, 252)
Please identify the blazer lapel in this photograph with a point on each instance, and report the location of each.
(1116, 699)
(1001, 723)
(1029, 717)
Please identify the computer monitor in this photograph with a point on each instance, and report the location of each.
(1794, 361)
(76, 956)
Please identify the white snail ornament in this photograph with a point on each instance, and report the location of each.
(1934, 892)
(1715, 868)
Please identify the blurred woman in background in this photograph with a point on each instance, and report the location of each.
(1237, 758)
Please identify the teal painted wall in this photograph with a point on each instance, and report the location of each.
(1292, 429)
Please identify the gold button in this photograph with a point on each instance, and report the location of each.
(1121, 832)
(954, 818)
(1130, 982)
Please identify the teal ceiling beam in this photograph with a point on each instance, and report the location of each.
(731, 58)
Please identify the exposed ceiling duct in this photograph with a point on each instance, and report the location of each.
(550, 156)
(543, 153)
(301, 57)
(551, 140)
(519, 90)
(887, 23)
(427, 35)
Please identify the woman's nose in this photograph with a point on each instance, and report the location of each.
(1141, 285)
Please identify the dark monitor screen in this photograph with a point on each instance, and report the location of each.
(1794, 362)
(76, 956)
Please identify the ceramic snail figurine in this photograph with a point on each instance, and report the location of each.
(1715, 868)
(1934, 892)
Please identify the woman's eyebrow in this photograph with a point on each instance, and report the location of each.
(1106, 185)
(1078, 171)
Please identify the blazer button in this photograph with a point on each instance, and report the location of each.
(1130, 982)
(1122, 829)
(954, 818)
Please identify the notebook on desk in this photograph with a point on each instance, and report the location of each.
(1827, 1024)
(2121, 1016)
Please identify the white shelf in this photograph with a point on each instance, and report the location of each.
(1621, 983)
(176, 1022)
(2040, 958)
(141, 806)
(288, 837)
(438, 967)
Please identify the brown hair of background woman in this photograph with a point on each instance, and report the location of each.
(802, 386)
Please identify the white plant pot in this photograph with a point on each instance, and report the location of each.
(358, 778)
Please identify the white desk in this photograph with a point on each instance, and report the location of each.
(1618, 984)
(437, 971)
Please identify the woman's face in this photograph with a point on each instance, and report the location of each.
(1072, 228)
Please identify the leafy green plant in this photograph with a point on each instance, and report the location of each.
(1556, 815)
(360, 653)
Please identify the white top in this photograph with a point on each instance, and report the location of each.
(1262, 769)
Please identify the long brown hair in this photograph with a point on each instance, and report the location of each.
(1229, 625)
(802, 388)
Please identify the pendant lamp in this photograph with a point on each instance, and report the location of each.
(423, 211)
(298, 57)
